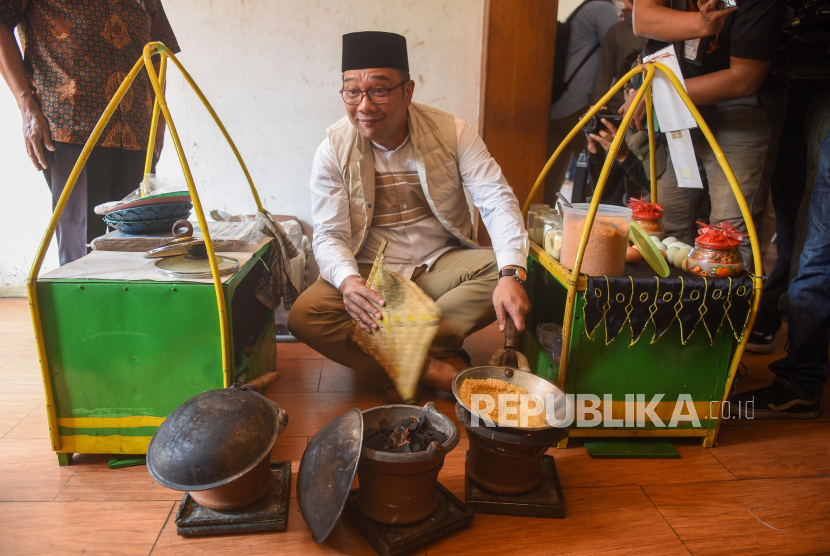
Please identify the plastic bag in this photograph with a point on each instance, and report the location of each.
(150, 185)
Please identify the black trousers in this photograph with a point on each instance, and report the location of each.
(110, 174)
(789, 180)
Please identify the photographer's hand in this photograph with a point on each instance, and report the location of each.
(606, 137)
(712, 18)
(637, 122)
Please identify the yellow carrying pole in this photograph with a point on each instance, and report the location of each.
(570, 304)
(758, 281)
(645, 91)
(652, 145)
(592, 112)
(160, 104)
(31, 282)
(151, 142)
(149, 50)
(221, 126)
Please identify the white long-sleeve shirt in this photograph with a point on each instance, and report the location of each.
(402, 216)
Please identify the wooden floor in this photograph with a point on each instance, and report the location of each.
(765, 489)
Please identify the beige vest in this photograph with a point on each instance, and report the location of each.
(434, 139)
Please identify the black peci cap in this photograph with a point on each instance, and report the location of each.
(374, 49)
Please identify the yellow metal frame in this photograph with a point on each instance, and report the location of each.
(160, 105)
(573, 280)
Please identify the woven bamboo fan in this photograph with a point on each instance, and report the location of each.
(402, 340)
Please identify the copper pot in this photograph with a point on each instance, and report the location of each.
(217, 446)
(506, 462)
(401, 488)
(240, 492)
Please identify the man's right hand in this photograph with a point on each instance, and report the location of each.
(358, 299)
(36, 134)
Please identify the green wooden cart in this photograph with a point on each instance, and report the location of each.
(701, 371)
(124, 354)
(118, 356)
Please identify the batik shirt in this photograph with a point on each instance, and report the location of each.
(77, 53)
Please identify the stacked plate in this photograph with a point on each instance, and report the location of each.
(150, 214)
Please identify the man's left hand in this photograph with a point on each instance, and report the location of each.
(510, 298)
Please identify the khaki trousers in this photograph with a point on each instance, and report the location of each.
(461, 283)
(747, 131)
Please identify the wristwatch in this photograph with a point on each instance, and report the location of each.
(518, 273)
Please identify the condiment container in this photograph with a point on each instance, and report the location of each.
(544, 223)
(531, 214)
(711, 260)
(649, 216)
(553, 239)
(716, 251)
(537, 234)
(607, 244)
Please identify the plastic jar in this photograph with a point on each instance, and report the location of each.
(544, 222)
(531, 214)
(607, 244)
(714, 260)
(651, 226)
(538, 235)
(553, 239)
(649, 216)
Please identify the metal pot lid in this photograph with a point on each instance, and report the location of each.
(182, 266)
(327, 472)
(212, 439)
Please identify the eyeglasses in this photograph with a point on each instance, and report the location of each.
(377, 95)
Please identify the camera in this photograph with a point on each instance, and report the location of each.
(595, 125)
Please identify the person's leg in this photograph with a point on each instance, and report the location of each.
(461, 283)
(804, 369)
(787, 188)
(747, 131)
(100, 170)
(319, 319)
(557, 131)
(128, 172)
(71, 228)
(680, 205)
(800, 376)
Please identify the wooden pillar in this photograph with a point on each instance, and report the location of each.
(516, 79)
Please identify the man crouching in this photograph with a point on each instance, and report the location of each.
(400, 171)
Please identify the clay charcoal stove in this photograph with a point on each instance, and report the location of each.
(410, 435)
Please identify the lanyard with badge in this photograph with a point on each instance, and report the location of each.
(693, 49)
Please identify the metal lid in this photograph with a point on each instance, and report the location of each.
(327, 472)
(212, 439)
(182, 266)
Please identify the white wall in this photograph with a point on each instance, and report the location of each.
(271, 69)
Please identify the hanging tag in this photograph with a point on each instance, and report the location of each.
(671, 111)
(683, 159)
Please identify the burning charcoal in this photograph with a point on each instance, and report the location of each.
(400, 435)
(384, 426)
(408, 435)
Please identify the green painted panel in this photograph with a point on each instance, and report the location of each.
(666, 366)
(101, 431)
(118, 349)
